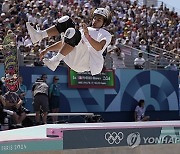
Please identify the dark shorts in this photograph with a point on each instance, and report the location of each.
(75, 39)
(54, 102)
(63, 26)
(41, 102)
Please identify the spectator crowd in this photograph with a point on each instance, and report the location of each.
(132, 24)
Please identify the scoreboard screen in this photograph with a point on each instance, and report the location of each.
(85, 80)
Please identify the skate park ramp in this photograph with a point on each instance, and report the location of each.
(94, 138)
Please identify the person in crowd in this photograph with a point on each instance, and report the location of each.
(40, 95)
(139, 114)
(172, 65)
(22, 90)
(143, 45)
(14, 103)
(108, 61)
(2, 88)
(139, 61)
(118, 58)
(4, 113)
(81, 49)
(54, 94)
(161, 61)
(22, 93)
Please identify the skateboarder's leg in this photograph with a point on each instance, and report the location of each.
(62, 25)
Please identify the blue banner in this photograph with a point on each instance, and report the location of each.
(159, 89)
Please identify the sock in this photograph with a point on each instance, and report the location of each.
(44, 34)
(58, 57)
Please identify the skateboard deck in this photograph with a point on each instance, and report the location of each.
(11, 66)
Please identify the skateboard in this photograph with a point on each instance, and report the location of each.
(11, 67)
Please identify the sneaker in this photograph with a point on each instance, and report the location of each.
(51, 64)
(19, 126)
(34, 34)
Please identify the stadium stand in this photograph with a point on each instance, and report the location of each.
(153, 30)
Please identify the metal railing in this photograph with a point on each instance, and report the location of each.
(132, 53)
(156, 58)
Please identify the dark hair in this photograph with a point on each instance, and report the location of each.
(141, 101)
(55, 78)
(107, 20)
(43, 76)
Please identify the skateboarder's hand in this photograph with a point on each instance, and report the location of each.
(85, 29)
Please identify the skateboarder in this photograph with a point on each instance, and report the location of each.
(80, 49)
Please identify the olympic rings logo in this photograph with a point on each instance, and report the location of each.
(114, 137)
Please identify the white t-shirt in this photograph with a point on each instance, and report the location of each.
(84, 57)
(139, 112)
(139, 61)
